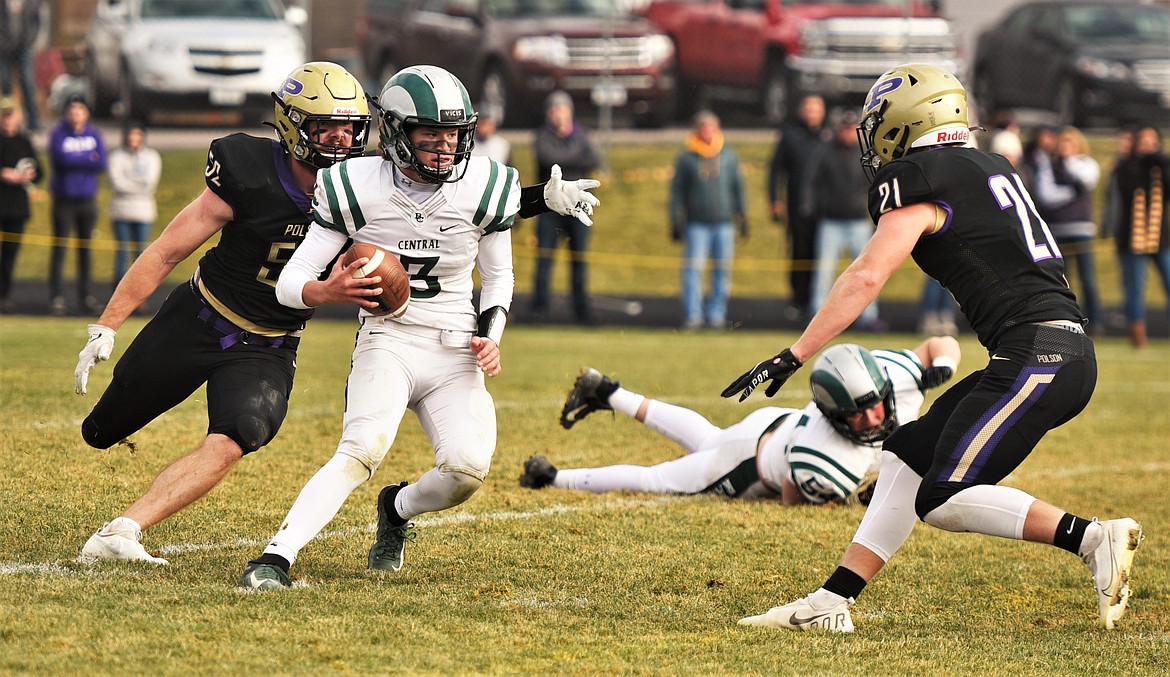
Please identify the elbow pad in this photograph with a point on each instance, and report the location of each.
(491, 324)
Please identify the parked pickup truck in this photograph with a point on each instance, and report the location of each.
(771, 52)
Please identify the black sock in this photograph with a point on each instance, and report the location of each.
(606, 389)
(273, 559)
(388, 505)
(1070, 532)
(845, 583)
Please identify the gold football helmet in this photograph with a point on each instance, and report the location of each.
(911, 106)
(316, 92)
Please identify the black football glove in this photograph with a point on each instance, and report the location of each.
(775, 369)
(934, 377)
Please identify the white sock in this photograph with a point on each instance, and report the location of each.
(317, 504)
(121, 525)
(608, 478)
(625, 401)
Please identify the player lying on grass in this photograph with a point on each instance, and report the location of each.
(825, 452)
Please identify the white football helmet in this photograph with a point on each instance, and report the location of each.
(426, 96)
(316, 92)
(911, 106)
(847, 380)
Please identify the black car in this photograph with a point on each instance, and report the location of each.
(1087, 62)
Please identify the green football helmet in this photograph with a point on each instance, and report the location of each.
(847, 380)
(425, 96)
(911, 106)
(317, 92)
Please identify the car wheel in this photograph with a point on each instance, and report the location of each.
(493, 93)
(774, 95)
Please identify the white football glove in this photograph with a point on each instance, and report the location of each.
(98, 349)
(571, 198)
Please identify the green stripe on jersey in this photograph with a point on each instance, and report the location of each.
(484, 199)
(498, 221)
(824, 457)
(355, 209)
(820, 473)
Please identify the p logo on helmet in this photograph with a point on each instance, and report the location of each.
(291, 87)
(880, 90)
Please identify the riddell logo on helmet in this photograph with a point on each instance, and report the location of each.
(346, 110)
(953, 136)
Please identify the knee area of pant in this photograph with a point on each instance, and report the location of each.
(462, 483)
(252, 432)
(933, 496)
(92, 434)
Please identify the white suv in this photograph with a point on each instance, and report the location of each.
(157, 55)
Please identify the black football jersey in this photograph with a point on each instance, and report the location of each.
(271, 218)
(994, 252)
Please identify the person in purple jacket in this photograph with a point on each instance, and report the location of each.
(77, 154)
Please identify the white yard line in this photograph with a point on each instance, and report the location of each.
(72, 567)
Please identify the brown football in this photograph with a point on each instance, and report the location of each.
(395, 284)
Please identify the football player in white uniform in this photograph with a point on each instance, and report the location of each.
(826, 452)
(442, 212)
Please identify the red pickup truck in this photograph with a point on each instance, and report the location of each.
(771, 52)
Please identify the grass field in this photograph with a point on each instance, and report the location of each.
(549, 582)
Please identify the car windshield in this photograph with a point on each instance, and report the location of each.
(198, 9)
(1137, 24)
(512, 8)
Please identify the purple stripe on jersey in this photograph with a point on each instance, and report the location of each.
(288, 181)
(979, 443)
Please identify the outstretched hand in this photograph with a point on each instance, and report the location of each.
(97, 349)
(776, 369)
(571, 198)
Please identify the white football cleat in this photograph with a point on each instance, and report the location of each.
(802, 615)
(1110, 563)
(120, 539)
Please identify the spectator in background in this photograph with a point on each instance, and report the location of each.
(1006, 139)
(20, 27)
(800, 140)
(936, 310)
(1038, 154)
(1143, 185)
(561, 141)
(706, 196)
(840, 189)
(19, 169)
(77, 154)
(487, 141)
(134, 174)
(1063, 186)
(1111, 210)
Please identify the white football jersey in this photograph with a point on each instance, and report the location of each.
(438, 241)
(824, 464)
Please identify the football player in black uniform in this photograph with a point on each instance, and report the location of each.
(224, 327)
(968, 222)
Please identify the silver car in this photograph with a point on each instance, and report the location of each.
(150, 56)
